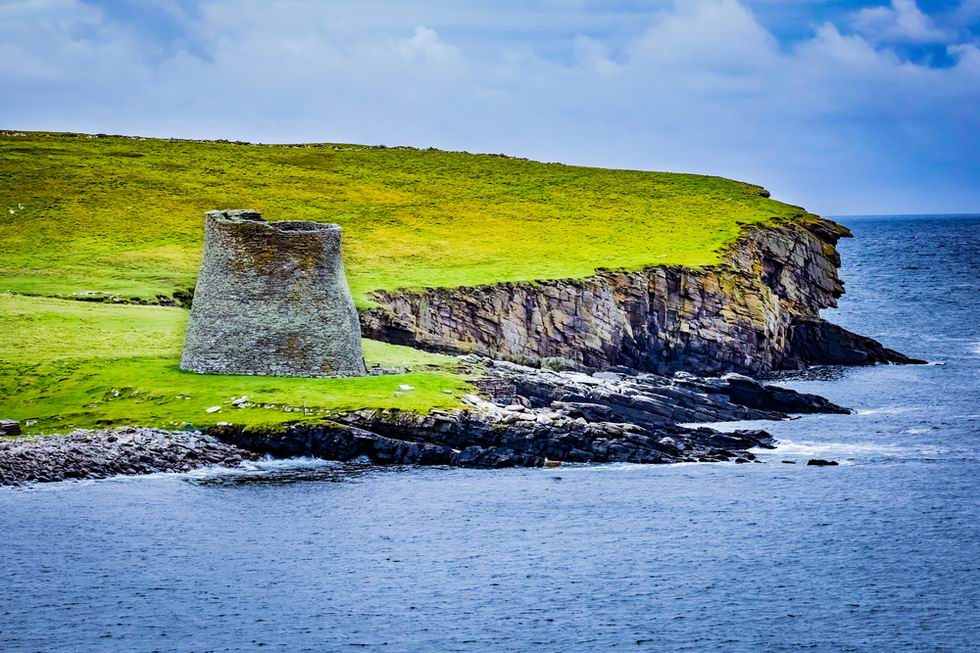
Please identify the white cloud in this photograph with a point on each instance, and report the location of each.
(720, 34)
(968, 12)
(425, 45)
(903, 21)
(835, 121)
(594, 54)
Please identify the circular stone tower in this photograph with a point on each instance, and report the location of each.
(272, 299)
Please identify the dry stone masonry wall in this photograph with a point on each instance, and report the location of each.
(272, 299)
(756, 312)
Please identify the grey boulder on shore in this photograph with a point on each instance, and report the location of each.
(9, 427)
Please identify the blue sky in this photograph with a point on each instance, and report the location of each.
(843, 106)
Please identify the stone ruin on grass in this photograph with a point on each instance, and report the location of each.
(272, 299)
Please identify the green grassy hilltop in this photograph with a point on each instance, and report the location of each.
(112, 216)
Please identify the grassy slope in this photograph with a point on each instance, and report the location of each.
(124, 217)
(73, 364)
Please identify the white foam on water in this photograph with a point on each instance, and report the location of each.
(805, 448)
(728, 427)
(885, 410)
(264, 465)
(612, 467)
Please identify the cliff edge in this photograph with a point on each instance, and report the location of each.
(758, 311)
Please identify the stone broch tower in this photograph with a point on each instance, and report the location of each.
(272, 299)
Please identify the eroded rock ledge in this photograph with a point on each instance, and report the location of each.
(538, 415)
(756, 312)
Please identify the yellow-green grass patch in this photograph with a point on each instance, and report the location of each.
(68, 364)
(124, 216)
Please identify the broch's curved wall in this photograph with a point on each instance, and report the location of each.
(272, 299)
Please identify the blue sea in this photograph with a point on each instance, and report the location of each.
(879, 554)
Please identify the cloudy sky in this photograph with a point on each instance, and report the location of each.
(844, 106)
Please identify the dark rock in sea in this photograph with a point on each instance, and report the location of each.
(9, 427)
(748, 392)
(816, 342)
(820, 462)
(477, 439)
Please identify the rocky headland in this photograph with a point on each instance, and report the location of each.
(536, 417)
(758, 311)
(620, 366)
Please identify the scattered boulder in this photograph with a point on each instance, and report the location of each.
(9, 427)
(820, 462)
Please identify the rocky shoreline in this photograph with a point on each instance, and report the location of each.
(535, 417)
(92, 454)
(526, 417)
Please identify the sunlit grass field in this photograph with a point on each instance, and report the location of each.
(123, 217)
(66, 364)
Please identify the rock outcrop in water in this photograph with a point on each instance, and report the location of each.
(272, 299)
(757, 312)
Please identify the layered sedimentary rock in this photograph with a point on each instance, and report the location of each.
(272, 299)
(758, 311)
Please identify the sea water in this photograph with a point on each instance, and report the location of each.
(881, 553)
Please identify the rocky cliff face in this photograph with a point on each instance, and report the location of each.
(757, 311)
